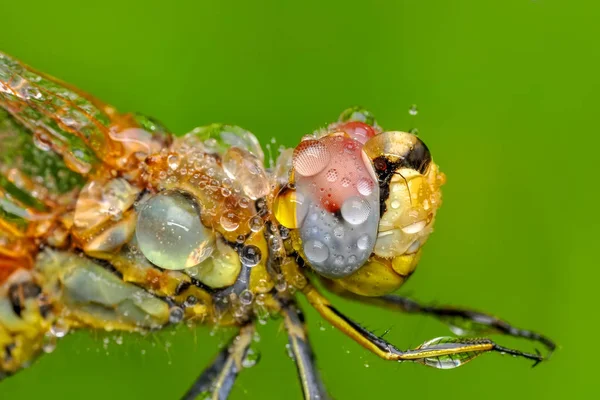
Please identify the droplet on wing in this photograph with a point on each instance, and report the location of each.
(356, 210)
(310, 157)
(247, 170)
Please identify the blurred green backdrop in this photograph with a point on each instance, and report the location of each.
(507, 94)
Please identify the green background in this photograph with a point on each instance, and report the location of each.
(507, 93)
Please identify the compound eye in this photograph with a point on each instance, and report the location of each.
(336, 204)
(170, 233)
(393, 150)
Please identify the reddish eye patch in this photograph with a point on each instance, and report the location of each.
(335, 168)
(358, 131)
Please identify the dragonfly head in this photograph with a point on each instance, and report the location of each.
(361, 203)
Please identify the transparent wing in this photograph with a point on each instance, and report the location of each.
(53, 137)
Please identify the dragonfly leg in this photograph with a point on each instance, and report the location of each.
(217, 380)
(312, 386)
(440, 353)
(460, 319)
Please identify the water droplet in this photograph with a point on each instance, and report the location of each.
(332, 175)
(346, 181)
(246, 297)
(191, 301)
(356, 210)
(274, 243)
(59, 329)
(365, 186)
(338, 231)
(119, 340)
(280, 283)
(250, 255)
(310, 157)
(49, 343)
(413, 110)
(395, 204)
(247, 170)
(363, 242)
(316, 251)
(244, 202)
(230, 221)
(176, 315)
(289, 351)
(256, 223)
(173, 161)
(251, 359)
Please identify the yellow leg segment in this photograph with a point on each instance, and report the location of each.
(442, 353)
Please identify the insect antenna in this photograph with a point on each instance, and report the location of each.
(406, 183)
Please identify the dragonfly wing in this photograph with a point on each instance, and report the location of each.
(53, 137)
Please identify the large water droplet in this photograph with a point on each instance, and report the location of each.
(310, 157)
(356, 210)
(246, 297)
(447, 361)
(170, 233)
(248, 171)
(413, 110)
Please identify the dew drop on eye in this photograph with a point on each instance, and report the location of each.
(170, 233)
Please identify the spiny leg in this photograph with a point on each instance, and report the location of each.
(443, 352)
(462, 321)
(217, 380)
(312, 386)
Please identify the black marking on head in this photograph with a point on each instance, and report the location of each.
(417, 158)
(181, 287)
(8, 352)
(19, 292)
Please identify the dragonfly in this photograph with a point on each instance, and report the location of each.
(110, 222)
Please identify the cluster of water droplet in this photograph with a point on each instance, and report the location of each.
(337, 203)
